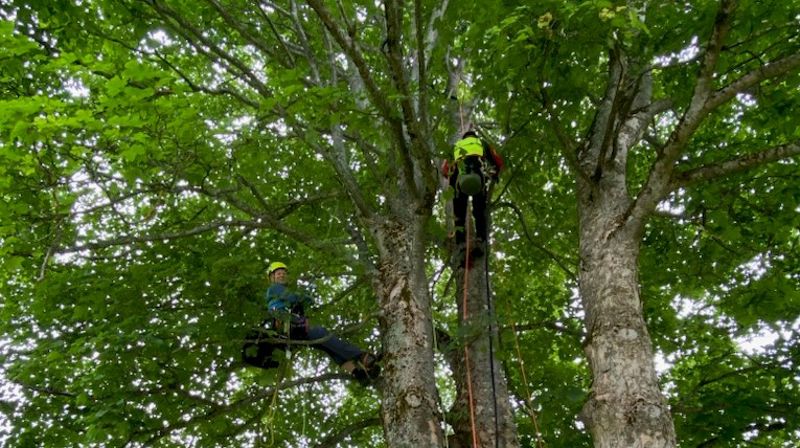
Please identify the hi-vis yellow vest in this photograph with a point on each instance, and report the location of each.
(470, 146)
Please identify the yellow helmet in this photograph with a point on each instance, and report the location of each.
(274, 266)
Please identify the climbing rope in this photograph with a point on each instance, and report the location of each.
(491, 320)
(269, 422)
(465, 314)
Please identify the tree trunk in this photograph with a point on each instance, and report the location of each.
(410, 410)
(625, 406)
(493, 416)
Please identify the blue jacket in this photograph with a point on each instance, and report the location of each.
(279, 298)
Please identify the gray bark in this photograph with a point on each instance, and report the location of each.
(410, 411)
(625, 405)
(493, 416)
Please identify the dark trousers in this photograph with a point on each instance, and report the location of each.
(479, 201)
(339, 350)
(259, 345)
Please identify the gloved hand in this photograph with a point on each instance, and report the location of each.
(446, 168)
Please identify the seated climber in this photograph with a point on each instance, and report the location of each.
(287, 309)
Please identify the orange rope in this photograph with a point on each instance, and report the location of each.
(466, 347)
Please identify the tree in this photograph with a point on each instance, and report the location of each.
(224, 125)
(157, 154)
(645, 119)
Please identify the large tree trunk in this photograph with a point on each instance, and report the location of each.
(410, 410)
(625, 406)
(491, 407)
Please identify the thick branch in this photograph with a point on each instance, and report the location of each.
(591, 157)
(728, 167)
(422, 75)
(353, 53)
(657, 183)
(643, 117)
(378, 98)
(416, 130)
(722, 25)
(335, 439)
(767, 71)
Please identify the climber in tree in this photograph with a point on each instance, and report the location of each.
(287, 309)
(474, 160)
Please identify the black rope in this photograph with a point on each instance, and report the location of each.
(491, 317)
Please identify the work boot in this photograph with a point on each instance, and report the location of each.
(366, 369)
(477, 251)
(459, 254)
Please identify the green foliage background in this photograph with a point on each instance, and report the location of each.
(144, 189)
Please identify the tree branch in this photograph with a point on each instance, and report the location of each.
(422, 75)
(417, 132)
(728, 167)
(187, 30)
(378, 98)
(130, 239)
(568, 146)
(238, 26)
(275, 32)
(345, 175)
(219, 411)
(353, 53)
(335, 439)
(591, 157)
(658, 180)
(561, 264)
(767, 71)
(308, 53)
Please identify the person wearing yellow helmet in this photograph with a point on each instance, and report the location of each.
(286, 305)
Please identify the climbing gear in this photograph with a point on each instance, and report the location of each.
(469, 183)
(471, 175)
(274, 266)
(466, 154)
(259, 347)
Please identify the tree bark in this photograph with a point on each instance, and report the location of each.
(410, 410)
(493, 416)
(625, 405)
